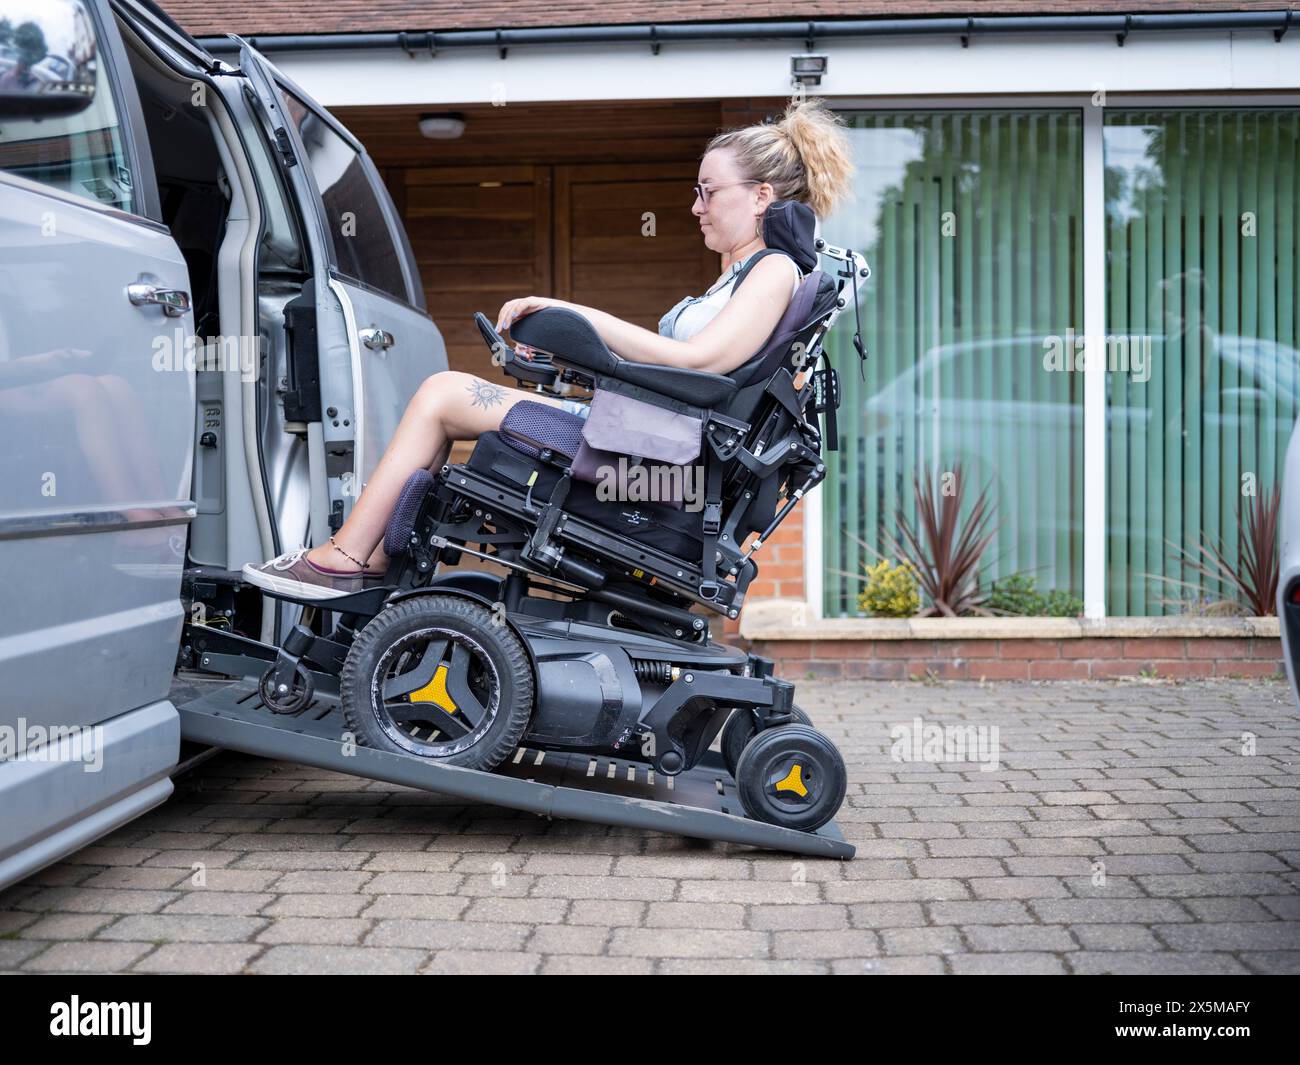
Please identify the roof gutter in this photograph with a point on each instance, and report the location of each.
(657, 34)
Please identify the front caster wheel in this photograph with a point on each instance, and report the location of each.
(286, 698)
(791, 776)
(440, 677)
(740, 729)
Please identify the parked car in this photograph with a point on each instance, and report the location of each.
(210, 322)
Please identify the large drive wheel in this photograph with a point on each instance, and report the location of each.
(791, 776)
(440, 677)
(740, 729)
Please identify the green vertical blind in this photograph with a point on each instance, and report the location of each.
(1203, 243)
(971, 221)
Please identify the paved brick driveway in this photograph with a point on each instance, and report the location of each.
(1124, 831)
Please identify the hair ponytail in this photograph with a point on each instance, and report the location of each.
(806, 156)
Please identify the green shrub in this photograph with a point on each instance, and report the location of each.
(1017, 595)
(891, 591)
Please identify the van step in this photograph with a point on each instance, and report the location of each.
(701, 803)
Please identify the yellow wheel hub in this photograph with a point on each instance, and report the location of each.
(436, 692)
(793, 781)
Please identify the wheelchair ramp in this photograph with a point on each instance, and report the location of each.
(701, 804)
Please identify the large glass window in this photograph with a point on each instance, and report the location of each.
(1203, 252)
(971, 223)
(363, 243)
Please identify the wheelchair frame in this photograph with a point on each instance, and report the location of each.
(662, 681)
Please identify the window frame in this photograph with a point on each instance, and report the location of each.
(387, 209)
(1093, 215)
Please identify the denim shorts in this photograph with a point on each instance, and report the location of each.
(574, 406)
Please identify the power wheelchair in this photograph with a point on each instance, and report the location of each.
(591, 642)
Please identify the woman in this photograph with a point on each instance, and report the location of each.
(804, 157)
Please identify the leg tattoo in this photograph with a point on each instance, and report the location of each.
(486, 395)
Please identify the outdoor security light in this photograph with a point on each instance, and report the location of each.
(808, 68)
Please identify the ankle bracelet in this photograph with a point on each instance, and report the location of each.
(345, 554)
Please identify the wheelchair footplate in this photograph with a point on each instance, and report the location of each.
(700, 803)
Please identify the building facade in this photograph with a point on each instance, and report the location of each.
(1084, 229)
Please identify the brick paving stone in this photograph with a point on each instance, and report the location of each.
(917, 965)
(1017, 964)
(1048, 938)
(335, 930)
(205, 958)
(183, 928)
(67, 926)
(583, 965)
(568, 939)
(688, 943)
(482, 962)
(934, 940)
(1276, 962)
(958, 870)
(308, 960)
(311, 905)
(86, 957)
(739, 967)
(1130, 937)
(794, 918)
(447, 935)
(229, 903)
(1165, 963)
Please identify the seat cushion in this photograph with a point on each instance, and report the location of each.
(530, 427)
(678, 532)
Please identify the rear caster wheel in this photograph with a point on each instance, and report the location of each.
(286, 698)
(791, 776)
(440, 677)
(740, 729)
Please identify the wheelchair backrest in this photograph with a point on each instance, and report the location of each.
(796, 332)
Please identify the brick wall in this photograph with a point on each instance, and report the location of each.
(992, 659)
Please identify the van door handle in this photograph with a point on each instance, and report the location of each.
(376, 339)
(173, 301)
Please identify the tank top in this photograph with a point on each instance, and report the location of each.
(693, 313)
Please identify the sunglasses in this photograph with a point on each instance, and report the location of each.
(703, 191)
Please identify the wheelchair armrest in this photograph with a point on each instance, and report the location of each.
(567, 337)
(571, 340)
(690, 386)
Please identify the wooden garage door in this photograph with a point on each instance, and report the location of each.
(626, 241)
(481, 236)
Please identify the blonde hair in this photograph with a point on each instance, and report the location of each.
(806, 156)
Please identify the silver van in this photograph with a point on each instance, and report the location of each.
(210, 322)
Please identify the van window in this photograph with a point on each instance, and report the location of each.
(83, 153)
(363, 244)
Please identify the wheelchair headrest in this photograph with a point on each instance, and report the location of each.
(791, 227)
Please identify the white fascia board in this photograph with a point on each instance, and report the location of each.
(1173, 62)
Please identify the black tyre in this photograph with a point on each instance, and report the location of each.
(288, 698)
(740, 729)
(791, 776)
(440, 677)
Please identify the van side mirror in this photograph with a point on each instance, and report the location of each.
(47, 58)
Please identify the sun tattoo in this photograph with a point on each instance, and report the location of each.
(486, 395)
